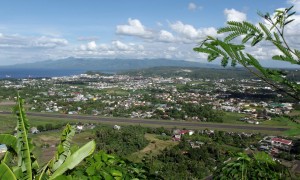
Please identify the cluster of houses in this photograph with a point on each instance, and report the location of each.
(274, 145)
(199, 91)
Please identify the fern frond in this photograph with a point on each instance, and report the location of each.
(284, 50)
(247, 37)
(297, 53)
(232, 29)
(250, 27)
(233, 36)
(266, 31)
(224, 61)
(277, 38)
(204, 50)
(235, 23)
(254, 62)
(257, 39)
(284, 58)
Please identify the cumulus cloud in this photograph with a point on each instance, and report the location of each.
(166, 36)
(121, 46)
(185, 29)
(191, 33)
(90, 46)
(134, 28)
(234, 15)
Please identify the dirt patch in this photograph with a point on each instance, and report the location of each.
(7, 103)
(47, 154)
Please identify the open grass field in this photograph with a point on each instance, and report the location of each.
(233, 118)
(152, 149)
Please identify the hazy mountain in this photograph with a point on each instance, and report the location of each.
(108, 64)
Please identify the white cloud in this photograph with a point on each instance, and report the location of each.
(192, 6)
(90, 46)
(190, 34)
(18, 41)
(166, 36)
(172, 48)
(134, 28)
(121, 46)
(210, 31)
(49, 42)
(234, 15)
(185, 29)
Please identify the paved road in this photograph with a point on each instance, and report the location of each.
(155, 122)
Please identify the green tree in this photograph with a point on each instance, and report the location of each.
(272, 33)
(260, 166)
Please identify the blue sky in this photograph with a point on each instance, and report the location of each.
(36, 30)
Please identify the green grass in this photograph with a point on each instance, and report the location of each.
(234, 118)
(279, 121)
(293, 132)
(295, 113)
(7, 105)
(9, 121)
(152, 149)
(283, 121)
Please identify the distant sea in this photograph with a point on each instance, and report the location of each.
(36, 73)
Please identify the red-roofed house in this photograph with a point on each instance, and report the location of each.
(281, 143)
(178, 133)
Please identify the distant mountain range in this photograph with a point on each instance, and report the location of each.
(108, 64)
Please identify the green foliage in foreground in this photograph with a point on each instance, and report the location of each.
(25, 165)
(259, 166)
(272, 33)
(105, 166)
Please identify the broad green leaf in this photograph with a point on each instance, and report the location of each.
(75, 158)
(6, 173)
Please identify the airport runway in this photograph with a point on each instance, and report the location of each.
(193, 125)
